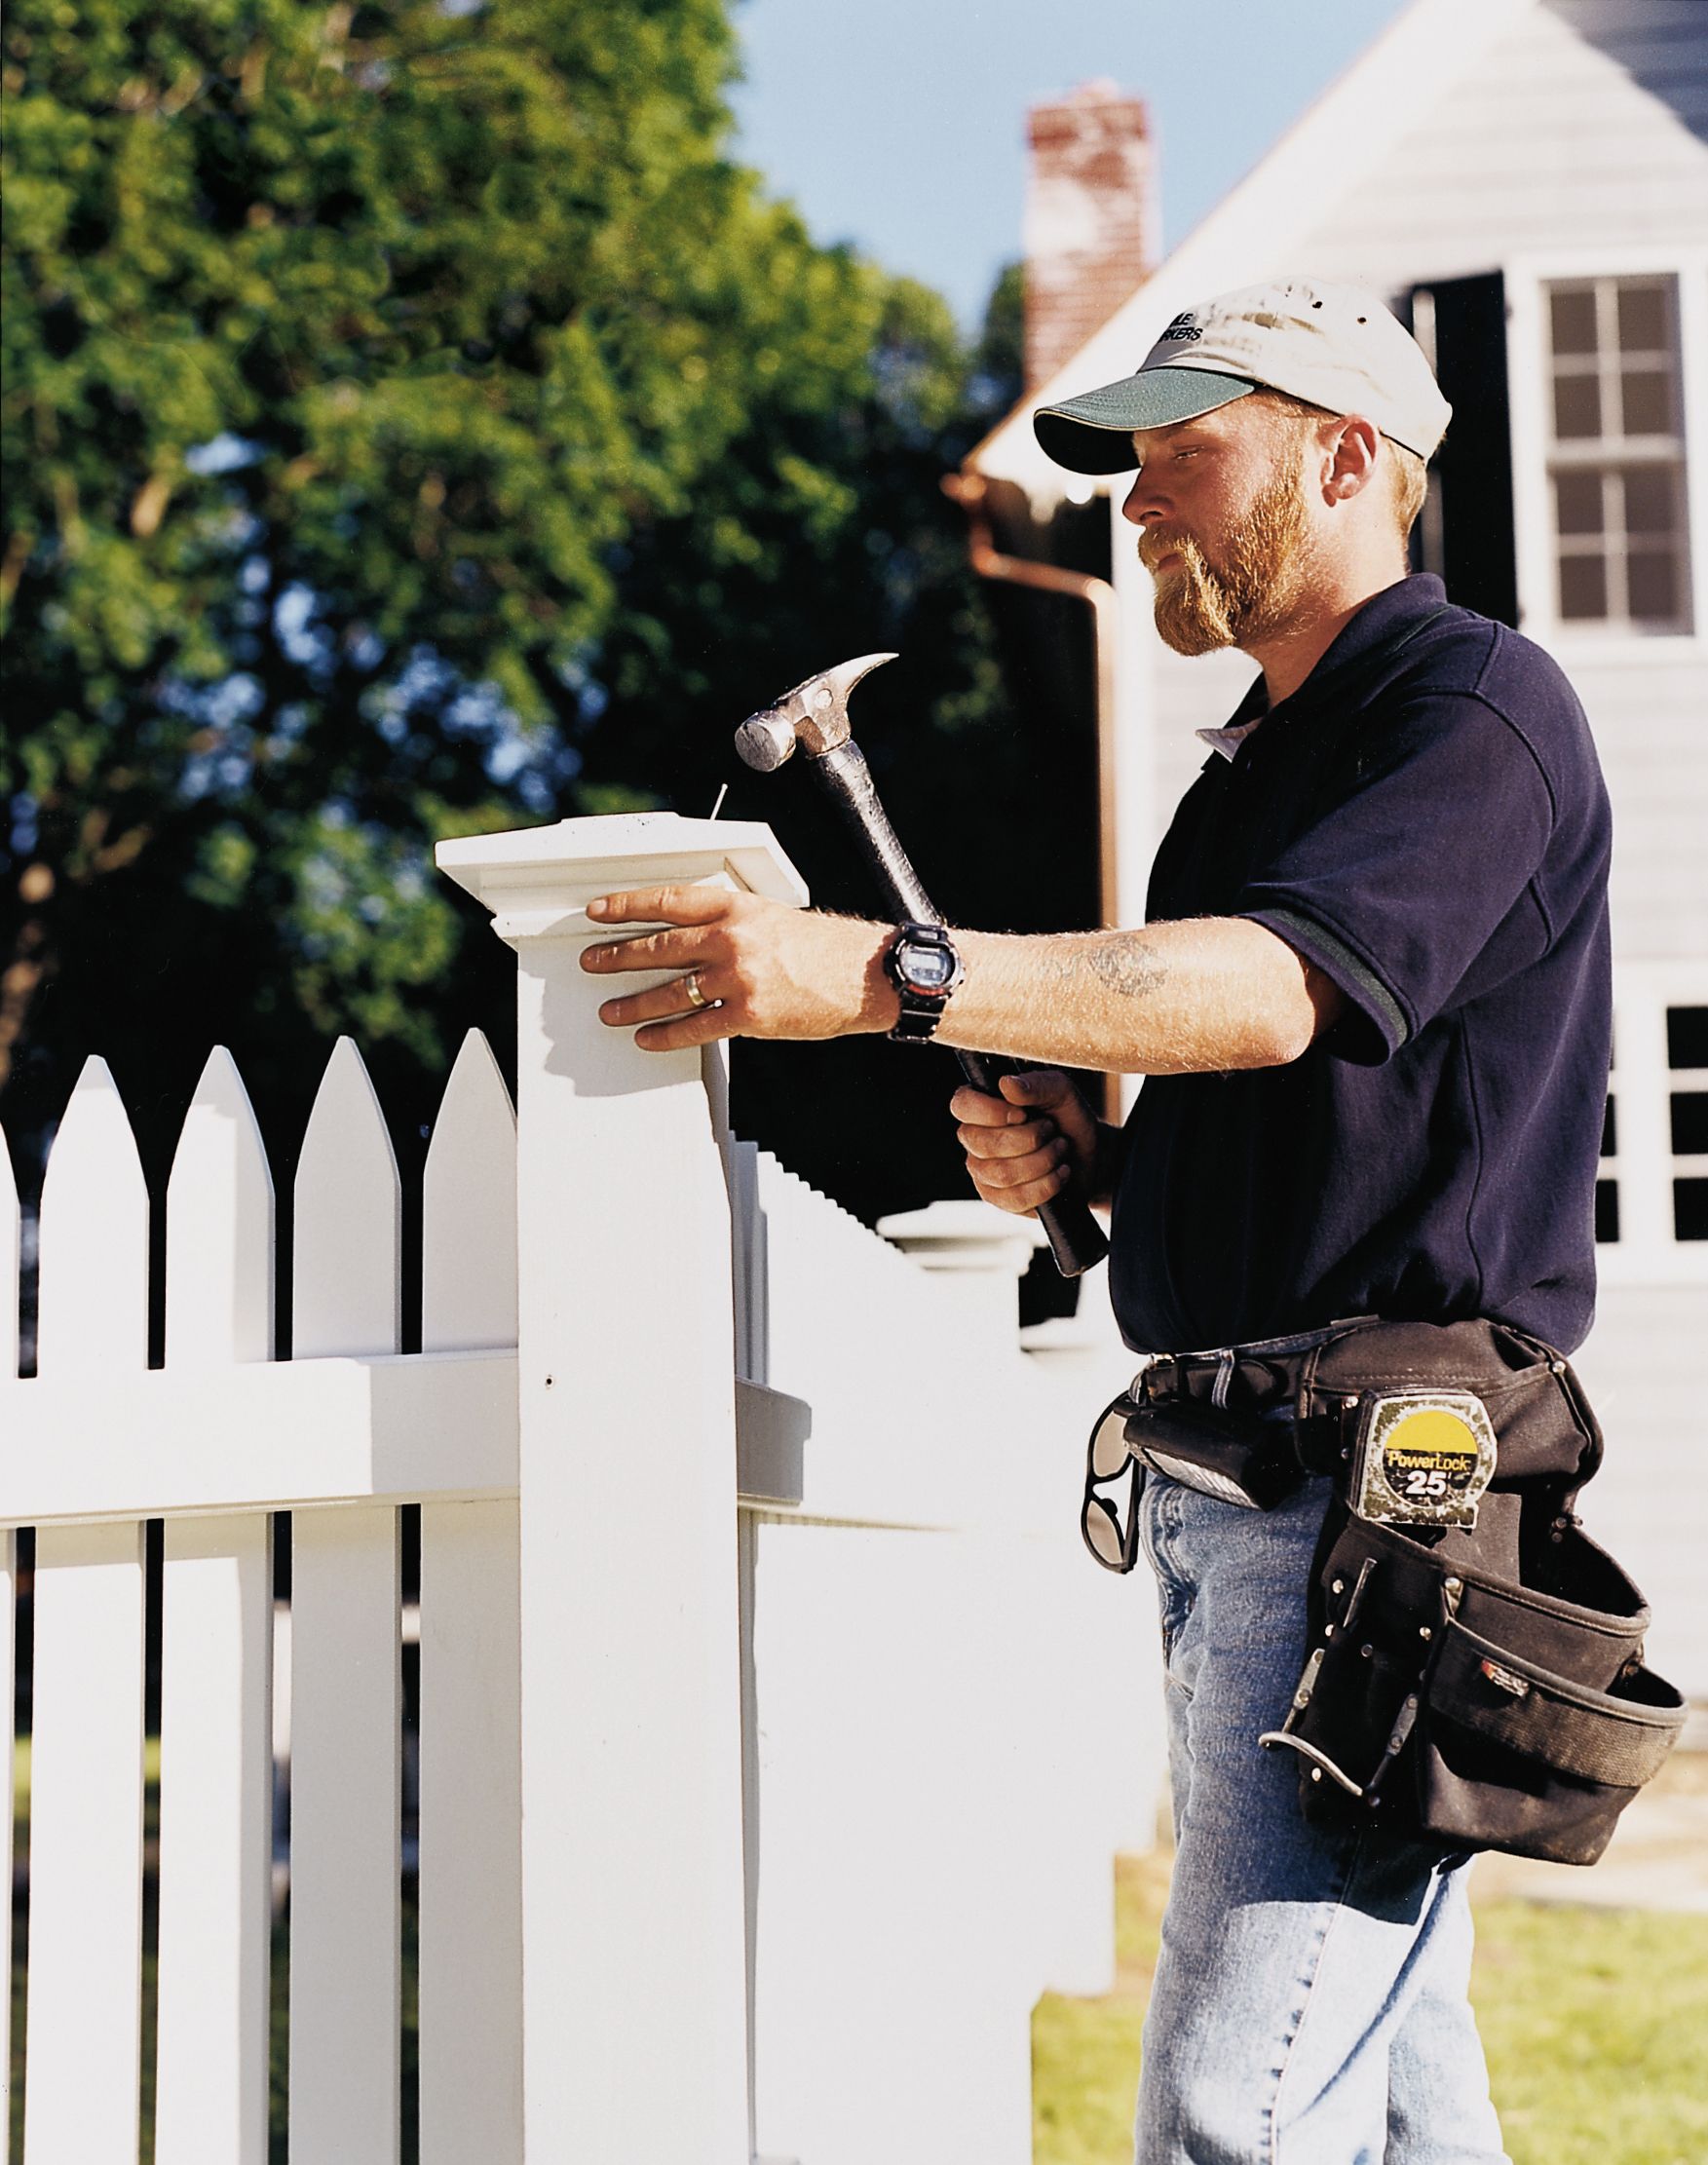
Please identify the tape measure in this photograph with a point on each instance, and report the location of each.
(1422, 1457)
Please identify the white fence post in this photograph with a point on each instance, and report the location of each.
(635, 2000)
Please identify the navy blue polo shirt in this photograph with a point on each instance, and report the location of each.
(1425, 820)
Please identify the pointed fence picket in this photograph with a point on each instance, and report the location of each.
(84, 2008)
(346, 1678)
(216, 1665)
(471, 1858)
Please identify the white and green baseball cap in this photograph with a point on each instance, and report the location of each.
(1333, 346)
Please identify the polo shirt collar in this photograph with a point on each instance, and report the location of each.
(1385, 616)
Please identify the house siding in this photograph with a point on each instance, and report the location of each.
(1650, 1504)
(1650, 724)
(1553, 143)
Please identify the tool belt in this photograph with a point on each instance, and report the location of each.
(1475, 1668)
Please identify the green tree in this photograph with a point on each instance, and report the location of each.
(413, 421)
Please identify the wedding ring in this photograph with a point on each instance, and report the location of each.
(691, 986)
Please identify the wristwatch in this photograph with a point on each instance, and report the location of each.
(921, 964)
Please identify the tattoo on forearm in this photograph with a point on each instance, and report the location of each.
(1126, 962)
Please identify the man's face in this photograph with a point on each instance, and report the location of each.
(1224, 530)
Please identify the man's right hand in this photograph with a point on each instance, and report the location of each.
(1027, 1145)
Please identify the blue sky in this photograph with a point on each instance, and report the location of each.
(899, 125)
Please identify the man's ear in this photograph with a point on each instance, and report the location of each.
(1352, 449)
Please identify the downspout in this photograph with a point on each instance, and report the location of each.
(968, 490)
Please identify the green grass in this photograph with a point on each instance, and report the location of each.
(1595, 2023)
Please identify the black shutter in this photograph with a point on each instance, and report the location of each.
(1465, 535)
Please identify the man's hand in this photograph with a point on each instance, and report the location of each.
(1024, 1147)
(765, 970)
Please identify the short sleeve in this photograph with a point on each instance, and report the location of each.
(1435, 825)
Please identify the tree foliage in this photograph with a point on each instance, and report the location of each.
(414, 421)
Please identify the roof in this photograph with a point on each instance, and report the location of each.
(1247, 236)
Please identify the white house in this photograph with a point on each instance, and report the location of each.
(1526, 181)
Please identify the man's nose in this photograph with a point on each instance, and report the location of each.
(1142, 501)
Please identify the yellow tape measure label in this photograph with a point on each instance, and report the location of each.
(1423, 1458)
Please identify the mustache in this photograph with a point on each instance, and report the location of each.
(1155, 544)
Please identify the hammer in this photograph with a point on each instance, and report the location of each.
(814, 716)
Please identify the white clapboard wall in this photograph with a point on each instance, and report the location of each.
(946, 1716)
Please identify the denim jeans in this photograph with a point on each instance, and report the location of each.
(1309, 2004)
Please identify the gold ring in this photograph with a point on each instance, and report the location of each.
(691, 986)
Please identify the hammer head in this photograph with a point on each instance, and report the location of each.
(814, 714)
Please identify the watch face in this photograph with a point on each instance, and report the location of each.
(929, 967)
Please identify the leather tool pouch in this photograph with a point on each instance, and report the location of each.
(1234, 1456)
(1482, 1684)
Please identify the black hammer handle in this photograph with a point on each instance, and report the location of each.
(1075, 1239)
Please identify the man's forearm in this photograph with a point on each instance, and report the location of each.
(1203, 995)
(1206, 994)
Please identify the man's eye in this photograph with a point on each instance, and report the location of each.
(1187, 451)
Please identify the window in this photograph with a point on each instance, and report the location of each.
(1686, 1062)
(1651, 1184)
(1607, 1186)
(1616, 454)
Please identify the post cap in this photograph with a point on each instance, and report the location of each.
(531, 877)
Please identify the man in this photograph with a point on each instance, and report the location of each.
(1372, 1004)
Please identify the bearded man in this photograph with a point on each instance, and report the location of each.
(1372, 1006)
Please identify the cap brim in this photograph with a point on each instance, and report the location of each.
(1093, 434)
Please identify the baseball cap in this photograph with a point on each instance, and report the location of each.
(1333, 346)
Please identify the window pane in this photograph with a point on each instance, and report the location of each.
(1643, 324)
(1689, 1209)
(1648, 500)
(1578, 503)
(1690, 1123)
(1651, 579)
(1577, 407)
(1609, 1133)
(1607, 1210)
(1574, 321)
(1687, 1037)
(1648, 402)
(1583, 587)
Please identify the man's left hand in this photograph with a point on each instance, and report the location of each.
(764, 970)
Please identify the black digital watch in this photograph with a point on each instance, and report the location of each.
(924, 965)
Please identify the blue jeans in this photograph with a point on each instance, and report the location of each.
(1309, 2004)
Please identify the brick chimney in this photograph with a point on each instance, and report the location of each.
(1090, 223)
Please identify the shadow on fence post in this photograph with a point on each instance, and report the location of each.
(635, 2003)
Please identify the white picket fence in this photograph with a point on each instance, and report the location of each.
(775, 1735)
